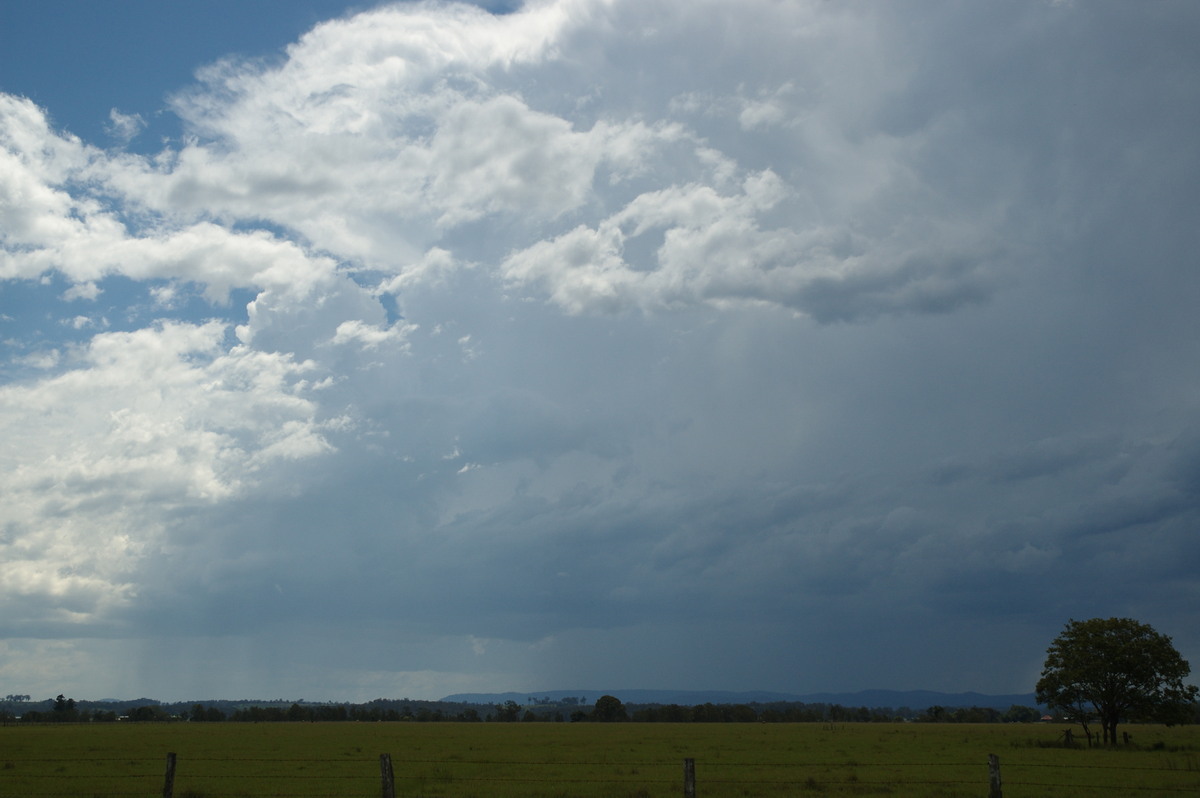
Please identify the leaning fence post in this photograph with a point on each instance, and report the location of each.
(169, 782)
(689, 778)
(387, 776)
(994, 777)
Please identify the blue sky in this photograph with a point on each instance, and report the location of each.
(84, 58)
(361, 350)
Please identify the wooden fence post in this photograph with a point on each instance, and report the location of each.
(689, 778)
(387, 776)
(169, 782)
(994, 777)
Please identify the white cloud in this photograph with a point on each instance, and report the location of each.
(82, 322)
(499, 156)
(714, 250)
(47, 228)
(42, 360)
(383, 134)
(371, 123)
(370, 336)
(88, 291)
(767, 108)
(124, 127)
(432, 269)
(142, 425)
(165, 296)
(765, 111)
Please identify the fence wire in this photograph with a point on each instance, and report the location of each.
(366, 777)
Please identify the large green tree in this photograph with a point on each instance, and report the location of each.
(1115, 669)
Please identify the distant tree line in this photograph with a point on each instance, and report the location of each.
(68, 710)
(605, 709)
(799, 712)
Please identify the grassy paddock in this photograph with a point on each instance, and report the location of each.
(544, 760)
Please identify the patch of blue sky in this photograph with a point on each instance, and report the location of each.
(501, 6)
(250, 225)
(48, 314)
(81, 59)
(131, 304)
(390, 307)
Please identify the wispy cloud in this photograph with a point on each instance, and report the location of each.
(124, 127)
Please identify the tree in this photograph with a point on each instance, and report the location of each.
(609, 708)
(1115, 669)
(148, 712)
(509, 712)
(1021, 714)
(64, 709)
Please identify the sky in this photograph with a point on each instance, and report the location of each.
(358, 350)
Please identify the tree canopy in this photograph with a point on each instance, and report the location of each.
(609, 708)
(1115, 669)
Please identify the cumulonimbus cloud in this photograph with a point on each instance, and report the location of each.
(618, 311)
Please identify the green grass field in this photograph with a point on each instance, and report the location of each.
(541, 760)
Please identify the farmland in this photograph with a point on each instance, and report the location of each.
(456, 760)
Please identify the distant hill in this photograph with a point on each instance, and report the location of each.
(915, 699)
(921, 699)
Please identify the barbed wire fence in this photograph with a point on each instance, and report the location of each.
(200, 777)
